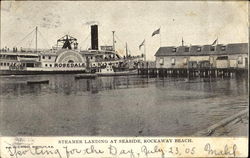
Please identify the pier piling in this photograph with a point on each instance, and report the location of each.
(191, 72)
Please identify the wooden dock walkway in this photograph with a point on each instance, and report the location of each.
(235, 125)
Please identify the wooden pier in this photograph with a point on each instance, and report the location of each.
(229, 124)
(197, 72)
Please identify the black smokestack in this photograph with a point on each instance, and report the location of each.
(94, 37)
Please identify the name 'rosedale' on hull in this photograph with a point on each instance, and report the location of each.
(64, 58)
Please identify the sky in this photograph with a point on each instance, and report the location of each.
(197, 22)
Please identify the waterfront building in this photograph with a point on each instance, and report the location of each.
(219, 56)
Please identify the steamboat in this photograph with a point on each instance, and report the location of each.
(65, 57)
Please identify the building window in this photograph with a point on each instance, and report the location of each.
(161, 61)
(198, 49)
(50, 65)
(211, 59)
(46, 65)
(223, 48)
(8, 64)
(49, 57)
(222, 58)
(174, 50)
(173, 61)
(240, 60)
(185, 61)
(43, 57)
(212, 48)
(187, 49)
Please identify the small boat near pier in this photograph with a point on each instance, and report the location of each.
(109, 71)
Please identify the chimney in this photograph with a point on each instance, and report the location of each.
(94, 37)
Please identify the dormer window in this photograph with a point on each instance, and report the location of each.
(223, 48)
(198, 49)
(212, 48)
(174, 50)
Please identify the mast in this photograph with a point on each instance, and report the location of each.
(126, 49)
(36, 38)
(113, 40)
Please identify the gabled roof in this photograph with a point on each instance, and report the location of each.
(197, 50)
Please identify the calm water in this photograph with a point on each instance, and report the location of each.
(116, 106)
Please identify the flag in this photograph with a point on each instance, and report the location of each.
(141, 44)
(214, 42)
(156, 32)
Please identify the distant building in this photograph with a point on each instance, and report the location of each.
(206, 56)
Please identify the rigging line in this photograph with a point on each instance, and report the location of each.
(44, 39)
(24, 38)
(87, 47)
(118, 38)
(103, 41)
(124, 45)
(86, 39)
(109, 41)
(27, 43)
(31, 41)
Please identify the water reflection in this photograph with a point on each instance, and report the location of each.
(119, 106)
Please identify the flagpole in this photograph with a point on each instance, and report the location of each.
(145, 50)
(160, 36)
